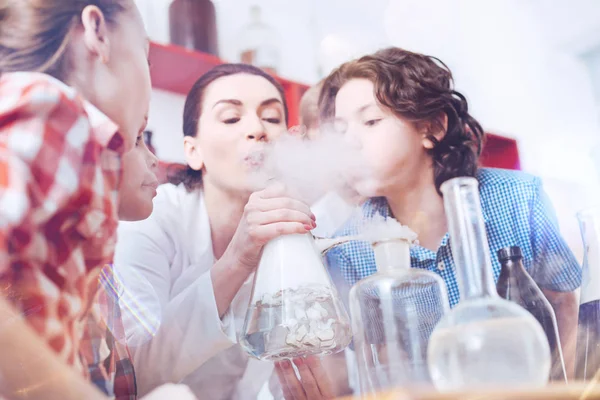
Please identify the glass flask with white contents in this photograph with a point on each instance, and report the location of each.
(294, 310)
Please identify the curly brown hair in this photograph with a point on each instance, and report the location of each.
(417, 88)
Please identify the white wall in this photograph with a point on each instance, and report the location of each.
(166, 120)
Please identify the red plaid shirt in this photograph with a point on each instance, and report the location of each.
(60, 167)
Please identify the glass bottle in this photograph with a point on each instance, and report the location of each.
(393, 313)
(485, 341)
(587, 362)
(193, 25)
(515, 284)
(294, 309)
(258, 43)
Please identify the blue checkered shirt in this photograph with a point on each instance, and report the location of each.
(516, 212)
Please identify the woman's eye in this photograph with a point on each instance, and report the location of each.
(273, 120)
(139, 140)
(230, 121)
(372, 122)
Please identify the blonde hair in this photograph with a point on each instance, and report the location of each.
(309, 106)
(35, 34)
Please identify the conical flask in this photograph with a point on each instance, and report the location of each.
(294, 309)
(393, 313)
(587, 363)
(485, 341)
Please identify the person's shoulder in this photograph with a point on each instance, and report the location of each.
(371, 208)
(503, 181)
(36, 92)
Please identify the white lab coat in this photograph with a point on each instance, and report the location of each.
(172, 250)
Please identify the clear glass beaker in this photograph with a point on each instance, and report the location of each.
(485, 341)
(393, 313)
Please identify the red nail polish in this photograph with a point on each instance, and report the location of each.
(299, 362)
(313, 217)
(287, 364)
(308, 227)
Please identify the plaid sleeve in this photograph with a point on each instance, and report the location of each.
(40, 165)
(554, 265)
(58, 185)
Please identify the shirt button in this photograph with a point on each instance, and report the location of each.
(441, 266)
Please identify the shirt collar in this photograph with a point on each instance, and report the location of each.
(104, 129)
(378, 205)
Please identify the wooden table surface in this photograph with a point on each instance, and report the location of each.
(573, 391)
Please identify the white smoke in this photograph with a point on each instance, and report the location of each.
(312, 168)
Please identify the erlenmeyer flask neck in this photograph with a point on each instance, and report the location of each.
(392, 255)
(290, 261)
(589, 224)
(468, 239)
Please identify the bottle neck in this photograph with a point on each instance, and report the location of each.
(513, 265)
(468, 239)
(255, 15)
(392, 255)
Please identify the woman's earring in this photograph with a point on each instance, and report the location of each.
(429, 142)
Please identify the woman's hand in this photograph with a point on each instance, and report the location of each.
(269, 213)
(314, 384)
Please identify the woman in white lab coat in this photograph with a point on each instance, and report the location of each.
(194, 256)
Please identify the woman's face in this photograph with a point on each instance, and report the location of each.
(139, 182)
(392, 148)
(239, 116)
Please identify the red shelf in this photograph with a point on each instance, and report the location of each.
(500, 152)
(176, 69)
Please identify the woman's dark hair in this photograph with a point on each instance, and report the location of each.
(35, 34)
(190, 177)
(418, 88)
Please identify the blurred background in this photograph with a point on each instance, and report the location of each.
(529, 68)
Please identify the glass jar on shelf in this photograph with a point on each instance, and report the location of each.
(193, 25)
(258, 43)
